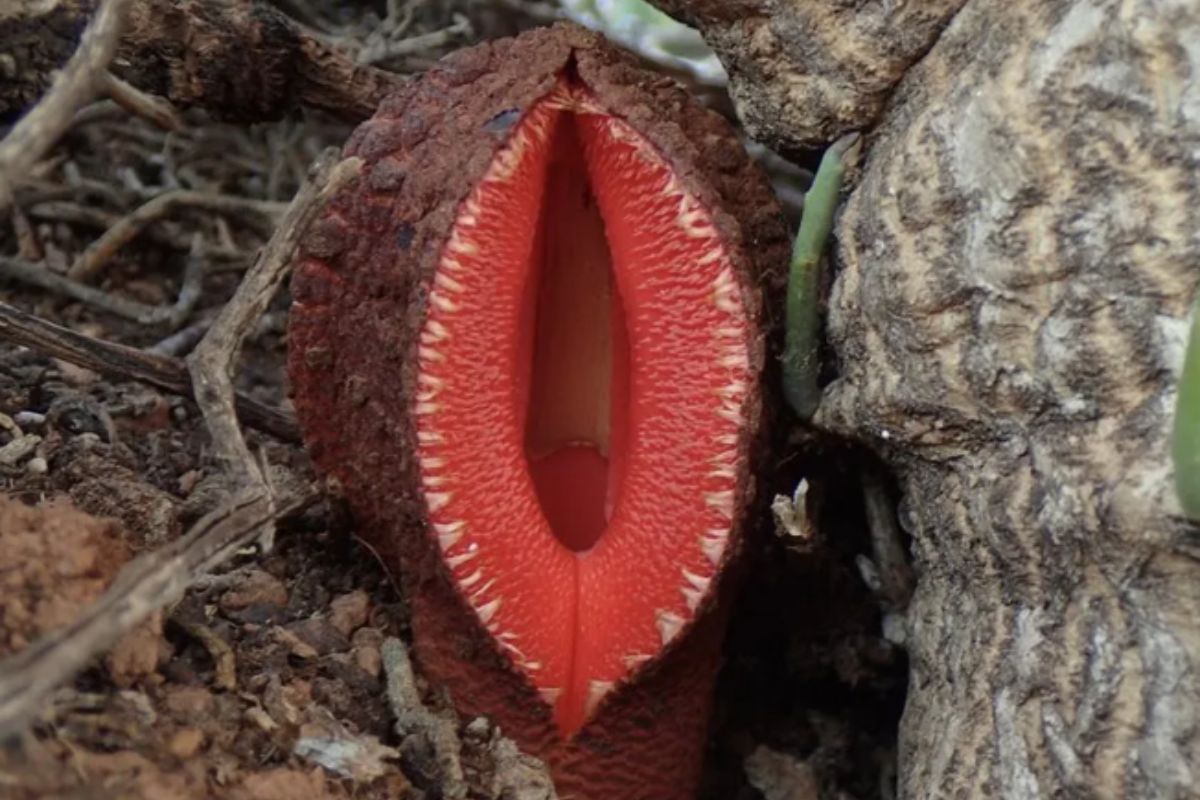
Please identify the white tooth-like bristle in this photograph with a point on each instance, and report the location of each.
(698, 582)
(723, 471)
(550, 694)
(669, 624)
(446, 282)
(429, 437)
(713, 548)
(635, 660)
(437, 500)
(509, 647)
(733, 361)
(436, 330)
(471, 579)
(596, 692)
(454, 562)
(422, 409)
(448, 533)
(721, 502)
(488, 610)
(442, 302)
(482, 590)
(427, 353)
(734, 415)
(458, 244)
(432, 463)
(433, 481)
(725, 457)
(695, 589)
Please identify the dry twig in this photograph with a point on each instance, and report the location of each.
(378, 52)
(129, 363)
(211, 363)
(37, 132)
(172, 315)
(93, 259)
(146, 106)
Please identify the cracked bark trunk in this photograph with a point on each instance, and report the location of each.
(1016, 266)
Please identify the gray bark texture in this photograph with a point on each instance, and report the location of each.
(1015, 269)
(801, 71)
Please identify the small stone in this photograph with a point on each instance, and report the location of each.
(295, 645)
(29, 419)
(137, 654)
(255, 588)
(282, 783)
(348, 612)
(37, 466)
(188, 481)
(367, 655)
(261, 718)
(320, 635)
(185, 743)
(369, 660)
(19, 449)
(189, 700)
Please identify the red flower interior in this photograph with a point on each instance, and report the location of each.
(580, 409)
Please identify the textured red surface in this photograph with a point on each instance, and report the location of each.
(578, 622)
(407, 346)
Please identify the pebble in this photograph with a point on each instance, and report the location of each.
(29, 419)
(185, 743)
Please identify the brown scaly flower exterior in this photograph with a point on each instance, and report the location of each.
(361, 289)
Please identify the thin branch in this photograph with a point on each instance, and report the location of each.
(43, 278)
(150, 582)
(74, 87)
(387, 50)
(129, 363)
(147, 106)
(212, 363)
(93, 259)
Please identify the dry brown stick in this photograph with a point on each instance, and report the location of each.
(148, 583)
(78, 214)
(97, 254)
(130, 363)
(34, 275)
(147, 106)
(74, 87)
(212, 363)
(386, 50)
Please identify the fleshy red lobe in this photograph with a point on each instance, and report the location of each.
(580, 413)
